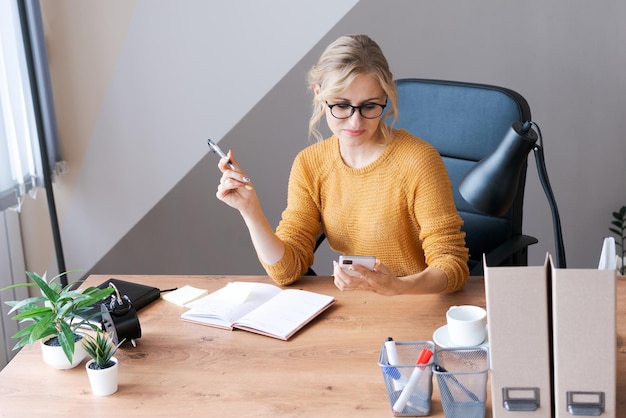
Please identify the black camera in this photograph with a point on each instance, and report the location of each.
(119, 318)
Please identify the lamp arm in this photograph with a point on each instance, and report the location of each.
(556, 220)
(25, 14)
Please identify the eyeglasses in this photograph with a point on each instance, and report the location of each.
(367, 110)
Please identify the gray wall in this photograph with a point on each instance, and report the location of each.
(141, 199)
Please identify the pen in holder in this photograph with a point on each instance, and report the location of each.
(462, 379)
(407, 372)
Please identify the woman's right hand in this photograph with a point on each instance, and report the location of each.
(235, 188)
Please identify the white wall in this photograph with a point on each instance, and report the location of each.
(140, 86)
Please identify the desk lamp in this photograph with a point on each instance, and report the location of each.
(490, 186)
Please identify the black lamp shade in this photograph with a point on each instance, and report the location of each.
(490, 186)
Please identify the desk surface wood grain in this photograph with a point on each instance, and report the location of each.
(329, 368)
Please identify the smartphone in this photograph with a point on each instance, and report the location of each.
(345, 261)
(213, 147)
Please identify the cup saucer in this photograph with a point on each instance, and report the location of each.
(442, 338)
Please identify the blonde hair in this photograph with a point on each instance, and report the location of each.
(342, 61)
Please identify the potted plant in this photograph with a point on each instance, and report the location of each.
(56, 317)
(619, 229)
(102, 368)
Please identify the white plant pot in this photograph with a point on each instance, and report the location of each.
(103, 381)
(55, 357)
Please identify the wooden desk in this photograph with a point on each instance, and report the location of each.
(328, 369)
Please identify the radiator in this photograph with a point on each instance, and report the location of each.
(12, 268)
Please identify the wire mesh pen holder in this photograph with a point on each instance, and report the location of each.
(462, 380)
(409, 384)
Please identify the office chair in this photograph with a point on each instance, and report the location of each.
(466, 122)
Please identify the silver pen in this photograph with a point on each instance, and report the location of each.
(219, 152)
(213, 146)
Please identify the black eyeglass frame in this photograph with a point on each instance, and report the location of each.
(354, 108)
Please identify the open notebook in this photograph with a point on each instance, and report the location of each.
(258, 307)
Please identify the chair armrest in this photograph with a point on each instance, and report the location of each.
(320, 239)
(505, 250)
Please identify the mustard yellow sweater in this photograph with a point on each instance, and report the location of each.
(399, 208)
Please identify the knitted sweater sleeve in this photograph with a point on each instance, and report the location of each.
(443, 242)
(299, 226)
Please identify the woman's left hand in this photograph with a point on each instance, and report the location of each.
(381, 280)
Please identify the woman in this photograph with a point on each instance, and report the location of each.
(371, 189)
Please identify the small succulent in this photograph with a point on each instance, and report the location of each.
(619, 228)
(101, 349)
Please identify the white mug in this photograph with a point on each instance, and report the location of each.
(467, 325)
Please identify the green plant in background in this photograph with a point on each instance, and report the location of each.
(619, 229)
(100, 348)
(57, 312)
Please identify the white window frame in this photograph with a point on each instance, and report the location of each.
(20, 167)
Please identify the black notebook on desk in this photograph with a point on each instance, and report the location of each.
(140, 295)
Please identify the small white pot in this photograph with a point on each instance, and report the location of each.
(103, 381)
(55, 357)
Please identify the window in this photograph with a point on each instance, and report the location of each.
(21, 169)
(18, 139)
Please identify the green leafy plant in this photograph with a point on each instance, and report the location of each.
(619, 229)
(57, 312)
(100, 348)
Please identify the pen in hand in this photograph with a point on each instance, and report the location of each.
(213, 146)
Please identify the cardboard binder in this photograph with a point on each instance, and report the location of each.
(552, 341)
(519, 348)
(584, 342)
